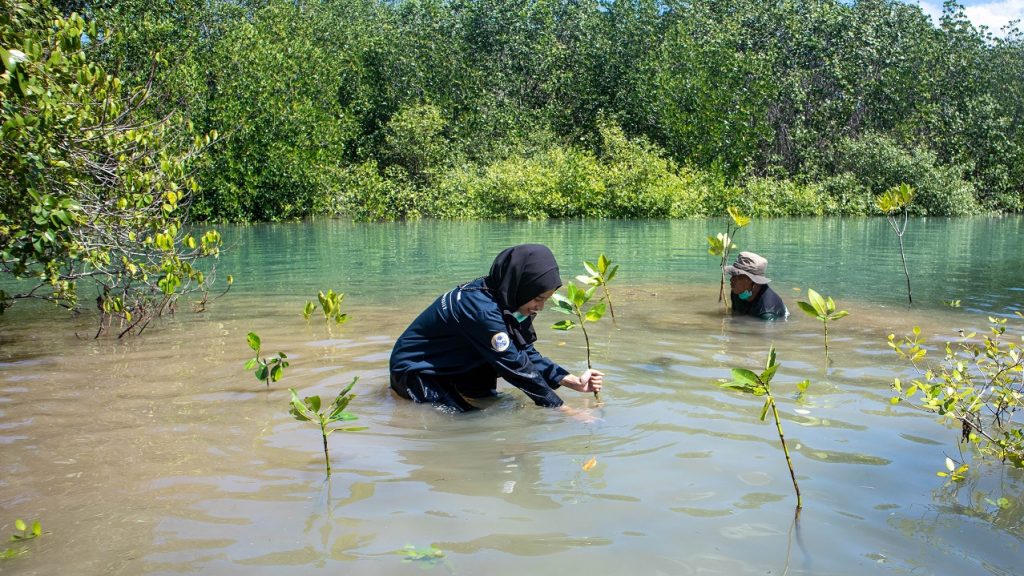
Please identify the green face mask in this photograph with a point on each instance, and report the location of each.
(519, 316)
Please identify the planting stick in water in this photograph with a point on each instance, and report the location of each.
(760, 385)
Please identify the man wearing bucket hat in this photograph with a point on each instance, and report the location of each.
(750, 292)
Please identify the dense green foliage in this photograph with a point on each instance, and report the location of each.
(548, 108)
(91, 191)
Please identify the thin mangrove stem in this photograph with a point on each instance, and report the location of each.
(825, 322)
(586, 338)
(608, 296)
(906, 273)
(789, 461)
(327, 456)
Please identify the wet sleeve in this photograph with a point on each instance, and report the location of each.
(485, 330)
(551, 372)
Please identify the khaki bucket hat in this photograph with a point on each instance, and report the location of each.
(752, 265)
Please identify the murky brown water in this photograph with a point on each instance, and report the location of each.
(161, 455)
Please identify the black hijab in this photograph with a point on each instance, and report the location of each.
(520, 274)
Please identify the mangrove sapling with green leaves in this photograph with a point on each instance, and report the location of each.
(24, 533)
(575, 304)
(823, 309)
(760, 385)
(978, 386)
(330, 304)
(721, 245)
(268, 370)
(600, 274)
(895, 202)
(308, 410)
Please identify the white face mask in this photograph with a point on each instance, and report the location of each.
(520, 317)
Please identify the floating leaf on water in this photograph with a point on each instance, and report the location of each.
(590, 463)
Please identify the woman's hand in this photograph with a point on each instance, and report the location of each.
(590, 381)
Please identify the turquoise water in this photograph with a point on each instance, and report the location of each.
(161, 455)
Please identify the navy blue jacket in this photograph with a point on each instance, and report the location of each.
(464, 329)
(767, 305)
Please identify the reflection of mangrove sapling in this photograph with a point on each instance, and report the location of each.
(330, 304)
(760, 385)
(575, 303)
(721, 245)
(823, 309)
(267, 370)
(894, 201)
(978, 385)
(600, 274)
(308, 410)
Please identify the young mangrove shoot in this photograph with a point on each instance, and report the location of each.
(976, 386)
(24, 533)
(600, 274)
(308, 410)
(266, 370)
(330, 304)
(894, 203)
(575, 304)
(823, 309)
(760, 385)
(721, 245)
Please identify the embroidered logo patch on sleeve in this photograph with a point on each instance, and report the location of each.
(500, 342)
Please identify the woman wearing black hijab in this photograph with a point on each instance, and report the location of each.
(459, 346)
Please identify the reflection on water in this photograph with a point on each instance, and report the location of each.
(162, 455)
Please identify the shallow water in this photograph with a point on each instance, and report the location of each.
(161, 455)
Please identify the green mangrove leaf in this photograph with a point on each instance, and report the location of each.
(564, 325)
(744, 376)
(596, 312)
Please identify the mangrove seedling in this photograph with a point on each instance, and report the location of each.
(893, 203)
(266, 370)
(428, 556)
(760, 385)
(24, 532)
(721, 245)
(600, 274)
(575, 304)
(823, 309)
(308, 410)
(330, 304)
(976, 386)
